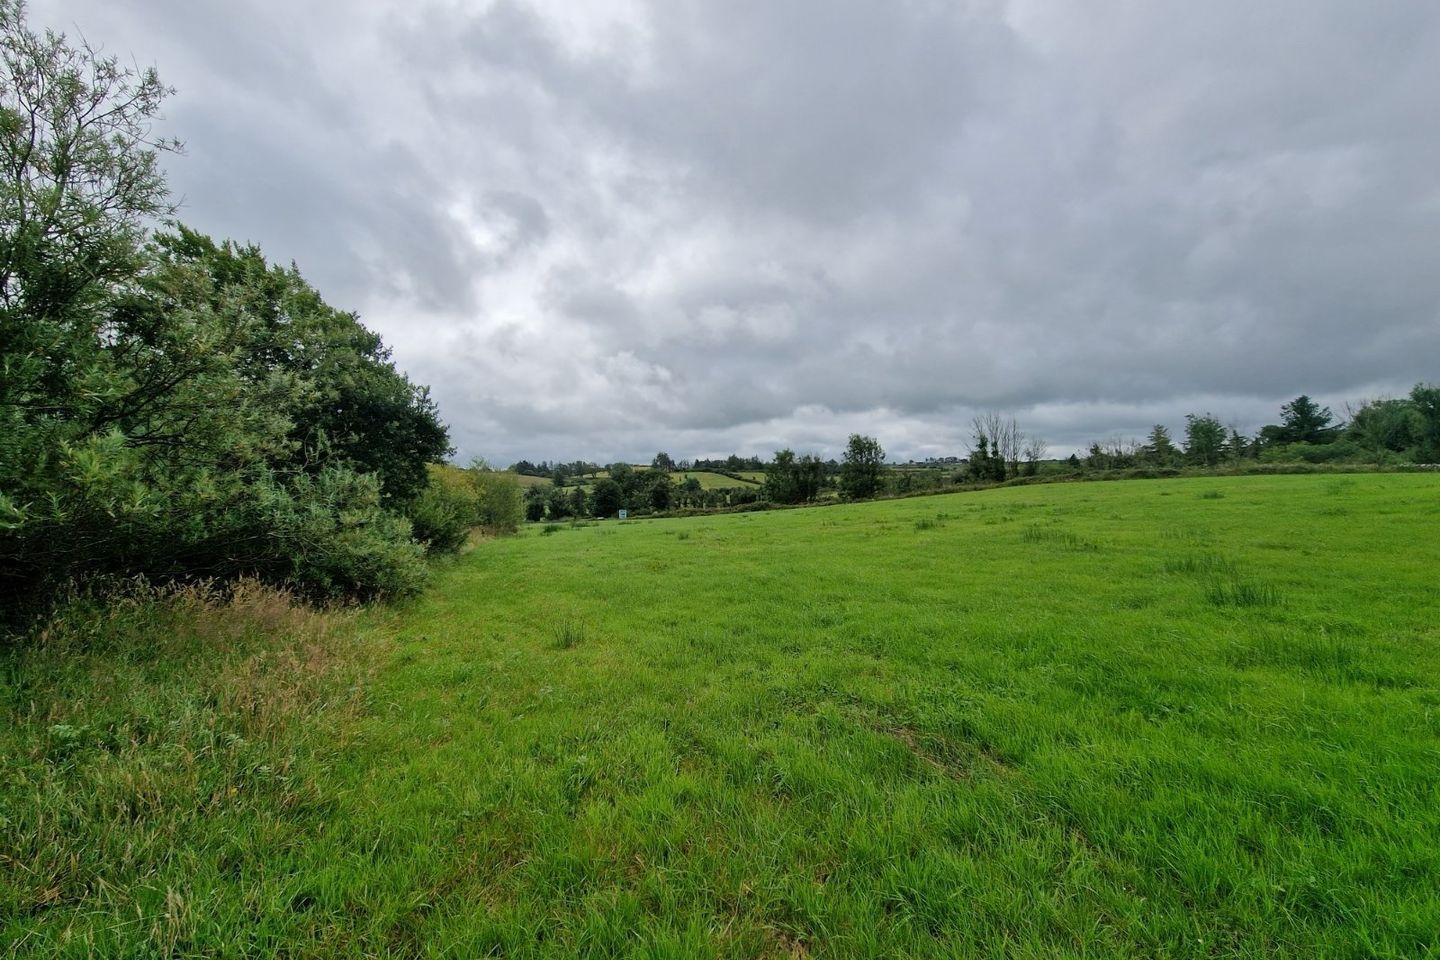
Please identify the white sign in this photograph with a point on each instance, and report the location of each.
(624, 514)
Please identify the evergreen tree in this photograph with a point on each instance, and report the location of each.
(1205, 438)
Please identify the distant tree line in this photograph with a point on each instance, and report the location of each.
(1381, 431)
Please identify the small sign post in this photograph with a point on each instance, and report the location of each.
(624, 514)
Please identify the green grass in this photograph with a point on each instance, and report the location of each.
(525, 480)
(1099, 720)
(715, 481)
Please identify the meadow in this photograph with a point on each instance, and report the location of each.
(717, 481)
(1172, 718)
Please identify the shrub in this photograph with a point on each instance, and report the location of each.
(456, 500)
(441, 518)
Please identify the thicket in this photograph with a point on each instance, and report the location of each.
(172, 407)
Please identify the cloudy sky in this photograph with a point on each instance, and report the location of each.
(600, 229)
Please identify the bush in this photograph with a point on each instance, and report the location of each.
(499, 504)
(324, 535)
(456, 500)
(1339, 451)
(441, 518)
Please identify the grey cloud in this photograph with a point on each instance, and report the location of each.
(702, 226)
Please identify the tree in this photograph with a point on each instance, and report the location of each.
(864, 462)
(606, 498)
(663, 462)
(1386, 426)
(780, 478)
(1035, 450)
(791, 479)
(981, 465)
(1159, 450)
(558, 504)
(1237, 446)
(1305, 421)
(661, 490)
(1205, 438)
(80, 177)
(996, 450)
(352, 406)
(1426, 400)
(176, 408)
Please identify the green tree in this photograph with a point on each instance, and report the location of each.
(1385, 427)
(1159, 450)
(792, 479)
(607, 498)
(351, 405)
(558, 504)
(174, 409)
(660, 490)
(1237, 447)
(535, 503)
(1305, 421)
(628, 480)
(1425, 398)
(1205, 438)
(863, 466)
(663, 462)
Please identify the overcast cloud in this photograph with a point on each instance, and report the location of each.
(601, 229)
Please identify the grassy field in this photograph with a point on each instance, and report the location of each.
(525, 480)
(1180, 718)
(714, 481)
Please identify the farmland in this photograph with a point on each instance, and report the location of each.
(1187, 718)
(717, 481)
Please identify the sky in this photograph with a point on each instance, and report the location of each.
(606, 228)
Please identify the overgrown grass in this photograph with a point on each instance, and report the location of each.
(160, 753)
(1235, 591)
(1208, 564)
(1054, 536)
(812, 733)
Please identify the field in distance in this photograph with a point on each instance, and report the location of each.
(525, 480)
(1180, 718)
(716, 481)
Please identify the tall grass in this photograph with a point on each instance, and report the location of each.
(146, 742)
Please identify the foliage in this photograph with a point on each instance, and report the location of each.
(559, 504)
(350, 405)
(996, 448)
(864, 461)
(176, 409)
(791, 479)
(1426, 400)
(1383, 428)
(1205, 438)
(457, 500)
(1159, 450)
(607, 498)
(1305, 421)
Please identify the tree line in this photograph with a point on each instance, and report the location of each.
(1384, 431)
(1387, 431)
